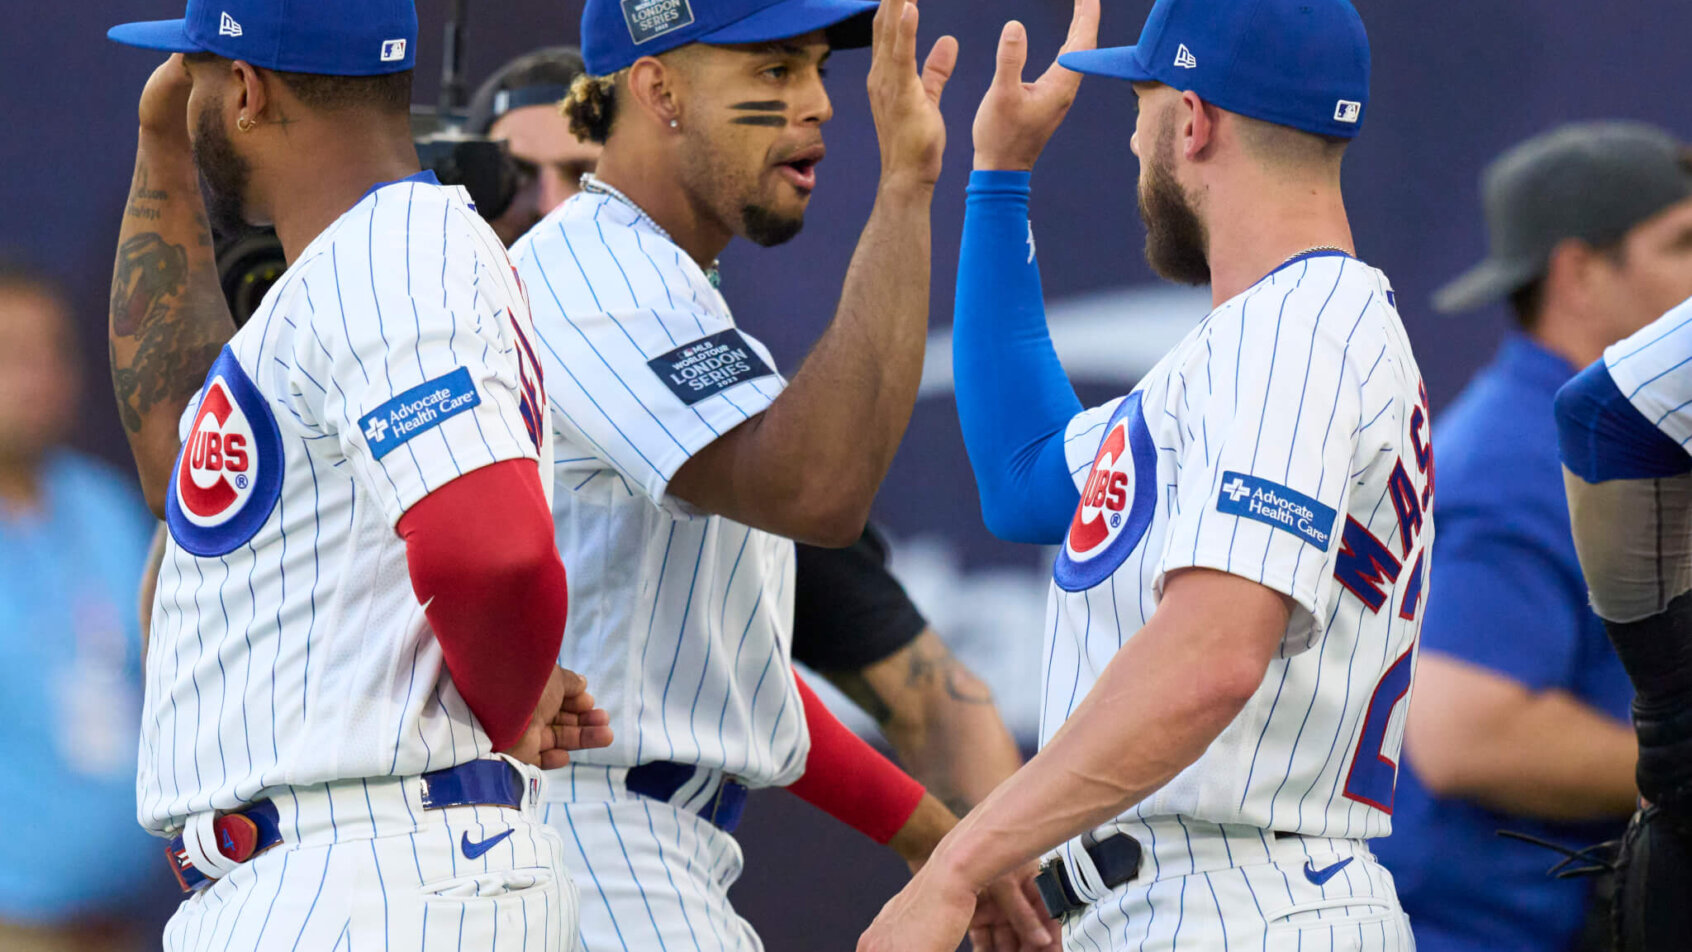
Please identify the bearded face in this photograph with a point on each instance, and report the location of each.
(223, 170)
(1175, 237)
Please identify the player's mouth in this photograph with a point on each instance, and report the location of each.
(800, 168)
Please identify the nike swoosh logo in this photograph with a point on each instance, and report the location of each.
(1317, 876)
(475, 850)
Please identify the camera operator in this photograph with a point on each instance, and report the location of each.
(519, 105)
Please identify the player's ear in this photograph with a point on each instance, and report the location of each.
(1197, 125)
(653, 87)
(252, 94)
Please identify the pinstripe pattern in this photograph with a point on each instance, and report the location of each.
(1651, 369)
(652, 875)
(301, 658)
(274, 663)
(1305, 380)
(1237, 889)
(392, 879)
(683, 620)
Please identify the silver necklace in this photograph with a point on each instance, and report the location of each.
(592, 183)
(1307, 251)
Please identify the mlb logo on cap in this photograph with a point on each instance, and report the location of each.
(322, 37)
(1297, 63)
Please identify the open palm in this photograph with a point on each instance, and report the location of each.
(1016, 119)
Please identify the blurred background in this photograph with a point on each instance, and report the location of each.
(1453, 85)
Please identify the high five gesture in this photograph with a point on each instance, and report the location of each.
(905, 103)
(1017, 118)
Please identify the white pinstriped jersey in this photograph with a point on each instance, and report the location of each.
(682, 620)
(287, 645)
(1653, 369)
(1284, 440)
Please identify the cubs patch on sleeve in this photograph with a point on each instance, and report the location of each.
(1251, 497)
(417, 411)
(708, 366)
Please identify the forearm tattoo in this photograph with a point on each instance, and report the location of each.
(859, 691)
(931, 662)
(928, 666)
(168, 320)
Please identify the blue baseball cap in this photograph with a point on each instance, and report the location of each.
(615, 33)
(1297, 63)
(323, 37)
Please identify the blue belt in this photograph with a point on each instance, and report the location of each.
(661, 779)
(481, 783)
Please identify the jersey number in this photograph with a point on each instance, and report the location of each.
(1373, 774)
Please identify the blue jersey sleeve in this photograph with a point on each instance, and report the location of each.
(1602, 434)
(1014, 399)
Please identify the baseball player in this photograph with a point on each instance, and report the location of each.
(1244, 536)
(360, 601)
(853, 622)
(1623, 431)
(686, 464)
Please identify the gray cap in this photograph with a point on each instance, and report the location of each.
(1591, 180)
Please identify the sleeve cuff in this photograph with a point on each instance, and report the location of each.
(999, 182)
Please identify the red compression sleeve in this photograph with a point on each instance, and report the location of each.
(847, 779)
(484, 563)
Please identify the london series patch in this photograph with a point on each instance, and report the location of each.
(708, 366)
(650, 19)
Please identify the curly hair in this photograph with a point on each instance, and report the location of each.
(591, 106)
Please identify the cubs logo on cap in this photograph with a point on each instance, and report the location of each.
(1117, 502)
(228, 473)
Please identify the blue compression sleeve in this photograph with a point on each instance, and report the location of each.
(1014, 400)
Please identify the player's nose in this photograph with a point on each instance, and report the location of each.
(813, 107)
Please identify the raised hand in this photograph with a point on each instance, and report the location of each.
(163, 110)
(1017, 119)
(906, 104)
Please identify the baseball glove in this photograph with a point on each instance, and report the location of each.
(1650, 869)
(1653, 884)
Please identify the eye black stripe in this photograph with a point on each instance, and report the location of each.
(773, 121)
(761, 105)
